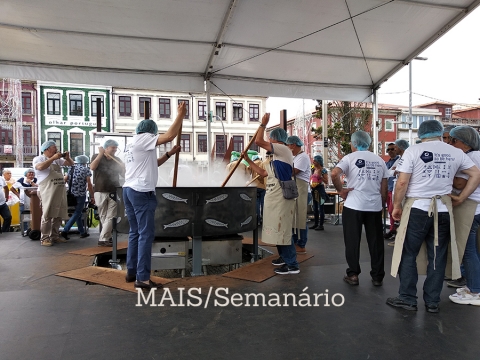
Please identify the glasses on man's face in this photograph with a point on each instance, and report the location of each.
(392, 149)
(453, 140)
(447, 139)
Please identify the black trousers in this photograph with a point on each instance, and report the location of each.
(352, 232)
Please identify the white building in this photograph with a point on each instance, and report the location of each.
(419, 115)
(233, 117)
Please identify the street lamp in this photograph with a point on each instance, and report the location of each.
(410, 120)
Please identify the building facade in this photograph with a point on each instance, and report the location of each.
(68, 114)
(234, 118)
(18, 127)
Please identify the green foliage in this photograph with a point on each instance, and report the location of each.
(346, 118)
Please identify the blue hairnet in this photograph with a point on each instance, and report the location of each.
(361, 140)
(294, 140)
(318, 159)
(255, 157)
(467, 135)
(47, 144)
(402, 144)
(430, 129)
(28, 171)
(234, 156)
(279, 134)
(449, 128)
(110, 143)
(82, 159)
(147, 126)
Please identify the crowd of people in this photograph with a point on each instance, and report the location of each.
(431, 191)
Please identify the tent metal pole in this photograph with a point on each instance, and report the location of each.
(374, 122)
(209, 130)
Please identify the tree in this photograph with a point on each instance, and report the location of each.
(345, 118)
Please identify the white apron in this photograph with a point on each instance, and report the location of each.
(277, 214)
(453, 264)
(52, 194)
(301, 206)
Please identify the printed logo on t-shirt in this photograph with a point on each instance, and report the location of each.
(360, 163)
(426, 156)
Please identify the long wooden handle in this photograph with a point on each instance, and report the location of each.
(177, 157)
(251, 181)
(111, 157)
(240, 160)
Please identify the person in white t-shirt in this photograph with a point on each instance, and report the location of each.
(366, 175)
(4, 209)
(466, 139)
(301, 169)
(423, 204)
(141, 176)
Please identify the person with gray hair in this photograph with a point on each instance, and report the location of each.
(278, 213)
(51, 191)
(366, 176)
(79, 177)
(423, 205)
(107, 169)
(446, 133)
(29, 180)
(467, 222)
(301, 170)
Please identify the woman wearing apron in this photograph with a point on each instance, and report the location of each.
(51, 191)
(278, 213)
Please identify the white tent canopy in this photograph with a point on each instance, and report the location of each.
(323, 49)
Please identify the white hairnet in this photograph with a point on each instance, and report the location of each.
(361, 140)
(467, 135)
(430, 129)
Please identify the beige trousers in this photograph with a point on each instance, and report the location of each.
(50, 228)
(107, 210)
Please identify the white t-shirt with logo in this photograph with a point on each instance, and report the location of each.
(302, 162)
(433, 165)
(475, 196)
(43, 174)
(364, 172)
(141, 168)
(2, 192)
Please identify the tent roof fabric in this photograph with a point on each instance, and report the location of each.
(319, 49)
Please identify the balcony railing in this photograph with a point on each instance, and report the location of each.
(470, 122)
(28, 150)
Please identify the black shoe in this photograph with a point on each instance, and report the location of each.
(84, 235)
(377, 282)
(278, 262)
(390, 234)
(150, 285)
(320, 227)
(352, 280)
(105, 243)
(285, 270)
(434, 309)
(396, 302)
(313, 227)
(64, 235)
(457, 283)
(130, 278)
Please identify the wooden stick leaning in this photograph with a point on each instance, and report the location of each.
(239, 160)
(177, 157)
(251, 181)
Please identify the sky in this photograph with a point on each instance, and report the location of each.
(451, 73)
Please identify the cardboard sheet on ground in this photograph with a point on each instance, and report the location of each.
(108, 277)
(97, 250)
(261, 270)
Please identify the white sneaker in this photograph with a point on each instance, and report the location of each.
(465, 298)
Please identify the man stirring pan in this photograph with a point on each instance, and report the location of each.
(51, 191)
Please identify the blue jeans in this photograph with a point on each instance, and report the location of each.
(471, 258)
(420, 230)
(288, 254)
(140, 209)
(260, 202)
(303, 232)
(6, 216)
(77, 216)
